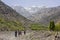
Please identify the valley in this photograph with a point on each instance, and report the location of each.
(33, 23)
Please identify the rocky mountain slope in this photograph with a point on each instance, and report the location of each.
(41, 15)
(22, 11)
(8, 14)
(44, 15)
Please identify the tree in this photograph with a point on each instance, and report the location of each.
(52, 25)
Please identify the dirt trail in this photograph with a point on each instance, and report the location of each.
(33, 35)
(11, 36)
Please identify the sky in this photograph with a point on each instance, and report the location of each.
(29, 3)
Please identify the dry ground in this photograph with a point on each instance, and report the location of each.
(30, 35)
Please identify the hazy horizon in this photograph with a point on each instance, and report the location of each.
(29, 3)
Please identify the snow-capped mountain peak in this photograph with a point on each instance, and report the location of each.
(33, 9)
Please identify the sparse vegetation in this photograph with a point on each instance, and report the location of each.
(10, 25)
(57, 28)
(37, 26)
(51, 27)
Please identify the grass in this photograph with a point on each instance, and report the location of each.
(37, 26)
(16, 25)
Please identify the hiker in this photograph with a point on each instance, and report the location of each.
(19, 33)
(15, 33)
(24, 32)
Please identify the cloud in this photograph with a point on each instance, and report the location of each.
(33, 6)
(27, 8)
(17, 5)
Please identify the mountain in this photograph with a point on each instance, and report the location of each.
(44, 15)
(41, 15)
(22, 11)
(8, 15)
(32, 9)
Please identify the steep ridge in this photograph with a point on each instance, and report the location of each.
(22, 11)
(8, 14)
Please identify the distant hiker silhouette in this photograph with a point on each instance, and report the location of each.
(15, 33)
(24, 32)
(19, 33)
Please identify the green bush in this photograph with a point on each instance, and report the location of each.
(52, 25)
(57, 28)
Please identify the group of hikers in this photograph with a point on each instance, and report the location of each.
(19, 33)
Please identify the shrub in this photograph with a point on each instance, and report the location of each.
(52, 25)
(57, 28)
